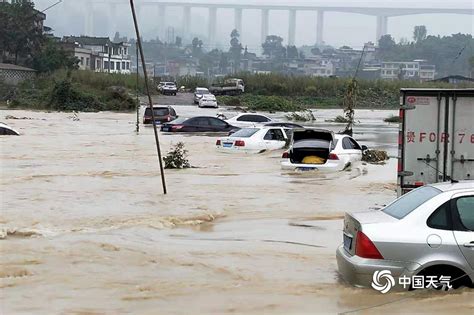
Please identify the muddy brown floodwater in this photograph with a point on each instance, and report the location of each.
(86, 230)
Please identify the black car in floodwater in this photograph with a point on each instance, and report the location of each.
(162, 114)
(198, 124)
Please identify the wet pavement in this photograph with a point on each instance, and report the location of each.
(86, 230)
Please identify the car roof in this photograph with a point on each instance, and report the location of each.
(241, 114)
(450, 186)
(201, 88)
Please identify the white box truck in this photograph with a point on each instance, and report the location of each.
(436, 137)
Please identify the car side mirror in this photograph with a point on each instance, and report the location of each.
(364, 147)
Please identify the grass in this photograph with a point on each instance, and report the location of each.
(76, 91)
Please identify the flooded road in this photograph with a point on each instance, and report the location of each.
(86, 230)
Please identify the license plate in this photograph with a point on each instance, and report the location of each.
(165, 129)
(347, 242)
(227, 145)
(305, 169)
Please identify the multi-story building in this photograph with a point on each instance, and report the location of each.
(99, 54)
(318, 67)
(407, 70)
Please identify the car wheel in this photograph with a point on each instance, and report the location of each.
(457, 277)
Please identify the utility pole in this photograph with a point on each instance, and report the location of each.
(138, 101)
(150, 102)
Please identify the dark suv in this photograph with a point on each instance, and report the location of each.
(162, 114)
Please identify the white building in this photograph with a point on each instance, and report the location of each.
(100, 54)
(319, 67)
(407, 70)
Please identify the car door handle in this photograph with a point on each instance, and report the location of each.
(471, 244)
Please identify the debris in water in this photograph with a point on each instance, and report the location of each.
(14, 117)
(392, 119)
(74, 117)
(375, 156)
(306, 115)
(177, 157)
(338, 119)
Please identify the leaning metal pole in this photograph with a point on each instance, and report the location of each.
(157, 141)
(138, 100)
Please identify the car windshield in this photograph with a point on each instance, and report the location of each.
(404, 205)
(202, 91)
(169, 84)
(157, 111)
(244, 133)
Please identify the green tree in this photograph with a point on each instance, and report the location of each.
(196, 47)
(419, 33)
(471, 65)
(292, 52)
(273, 48)
(52, 57)
(20, 34)
(235, 49)
(386, 42)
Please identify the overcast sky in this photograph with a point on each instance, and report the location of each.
(340, 29)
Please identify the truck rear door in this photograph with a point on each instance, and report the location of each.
(436, 141)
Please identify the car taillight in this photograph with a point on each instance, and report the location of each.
(177, 127)
(365, 248)
(239, 143)
(218, 142)
(419, 184)
(333, 156)
(285, 155)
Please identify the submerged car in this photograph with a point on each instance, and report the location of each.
(169, 88)
(162, 114)
(6, 130)
(208, 100)
(253, 140)
(249, 120)
(197, 124)
(320, 150)
(427, 232)
(199, 92)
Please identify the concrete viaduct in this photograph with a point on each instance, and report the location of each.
(382, 14)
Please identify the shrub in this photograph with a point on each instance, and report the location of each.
(177, 157)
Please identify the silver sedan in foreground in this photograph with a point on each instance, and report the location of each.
(423, 239)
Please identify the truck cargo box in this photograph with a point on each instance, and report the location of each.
(436, 137)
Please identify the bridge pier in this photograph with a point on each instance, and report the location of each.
(112, 10)
(291, 27)
(264, 29)
(382, 26)
(320, 27)
(212, 27)
(186, 22)
(89, 20)
(161, 22)
(238, 20)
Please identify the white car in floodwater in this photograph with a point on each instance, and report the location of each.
(6, 130)
(208, 100)
(321, 150)
(253, 140)
(244, 120)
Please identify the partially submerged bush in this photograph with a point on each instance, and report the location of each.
(392, 119)
(306, 115)
(375, 156)
(177, 157)
(338, 119)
